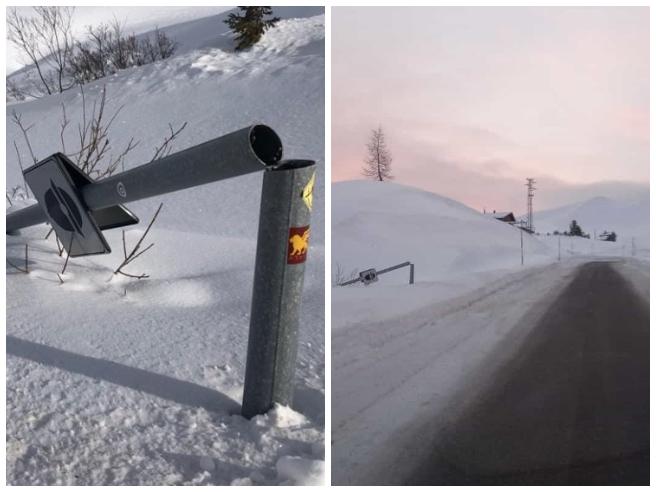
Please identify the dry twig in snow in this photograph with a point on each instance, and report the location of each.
(137, 251)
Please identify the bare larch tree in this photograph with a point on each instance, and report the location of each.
(378, 162)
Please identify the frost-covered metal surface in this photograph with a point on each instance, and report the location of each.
(282, 246)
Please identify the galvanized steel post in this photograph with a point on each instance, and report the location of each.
(282, 244)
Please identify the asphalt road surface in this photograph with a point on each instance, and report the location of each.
(571, 408)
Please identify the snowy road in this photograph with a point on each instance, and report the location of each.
(403, 388)
(571, 408)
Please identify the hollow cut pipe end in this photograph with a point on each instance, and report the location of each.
(266, 144)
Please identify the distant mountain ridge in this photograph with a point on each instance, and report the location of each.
(628, 217)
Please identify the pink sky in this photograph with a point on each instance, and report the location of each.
(473, 100)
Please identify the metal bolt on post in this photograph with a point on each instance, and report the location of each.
(282, 244)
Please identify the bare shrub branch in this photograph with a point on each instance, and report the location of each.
(63, 125)
(136, 251)
(109, 49)
(18, 121)
(20, 164)
(340, 276)
(14, 91)
(45, 39)
(17, 267)
(68, 255)
(26, 268)
(165, 149)
(19, 193)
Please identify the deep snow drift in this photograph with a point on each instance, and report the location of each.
(117, 381)
(405, 358)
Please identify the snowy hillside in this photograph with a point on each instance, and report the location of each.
(116, 381)
(381, 224)
(453, 247)
(628, 218)
(136, 20)
(192, 29)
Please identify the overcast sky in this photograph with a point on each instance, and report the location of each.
(473, 100)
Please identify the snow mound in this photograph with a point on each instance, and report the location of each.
(293, 470)
(292, 37)
(284, 417)
(376, 225)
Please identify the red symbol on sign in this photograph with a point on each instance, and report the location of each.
(299, 238)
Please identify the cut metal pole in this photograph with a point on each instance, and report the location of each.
(521, 242)
(384, 270)
(25, 217)
(241, 152)
(392, 268)
(244, 151)
(350, 282)
(282, 245)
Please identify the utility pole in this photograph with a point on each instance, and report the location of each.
(521, 243)
(530, 184)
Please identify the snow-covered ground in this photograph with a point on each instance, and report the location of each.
(405, 358)
(191, 28)
(116, 381)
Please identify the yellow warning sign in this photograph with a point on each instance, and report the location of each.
(308, 190)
